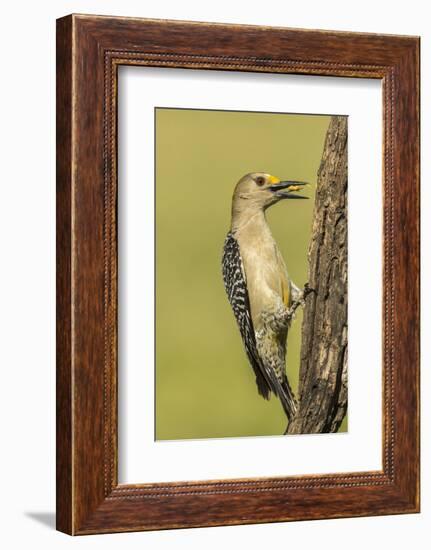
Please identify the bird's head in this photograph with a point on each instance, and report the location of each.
(259, 191)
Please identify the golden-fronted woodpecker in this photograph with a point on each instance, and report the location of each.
(262, 295)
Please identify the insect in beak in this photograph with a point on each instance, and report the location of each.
(285, 189)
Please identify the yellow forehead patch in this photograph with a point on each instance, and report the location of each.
(273, 179)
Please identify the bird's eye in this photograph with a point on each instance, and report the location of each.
(260, 181)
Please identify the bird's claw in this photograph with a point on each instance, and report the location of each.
(308, 290)
(300, 301)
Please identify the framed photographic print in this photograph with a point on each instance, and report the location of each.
(237, 274)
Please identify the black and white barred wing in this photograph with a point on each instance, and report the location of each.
(236, 288)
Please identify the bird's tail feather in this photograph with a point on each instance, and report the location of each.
(267, 382)
(283, 391)
(287, 398)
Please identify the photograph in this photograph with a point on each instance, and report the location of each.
(250, 273)
(214, 234)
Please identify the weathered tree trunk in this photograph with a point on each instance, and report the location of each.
(323, 368)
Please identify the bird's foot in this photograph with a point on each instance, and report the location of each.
(301, 295)
(307, 290)
(299, 300)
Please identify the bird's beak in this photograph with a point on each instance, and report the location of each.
(290, 187)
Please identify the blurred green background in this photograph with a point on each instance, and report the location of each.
(204, 384)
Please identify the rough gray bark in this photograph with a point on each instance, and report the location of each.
(323, 368)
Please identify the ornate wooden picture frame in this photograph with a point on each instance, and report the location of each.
(89, 51)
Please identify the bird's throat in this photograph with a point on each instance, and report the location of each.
(248, 219)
